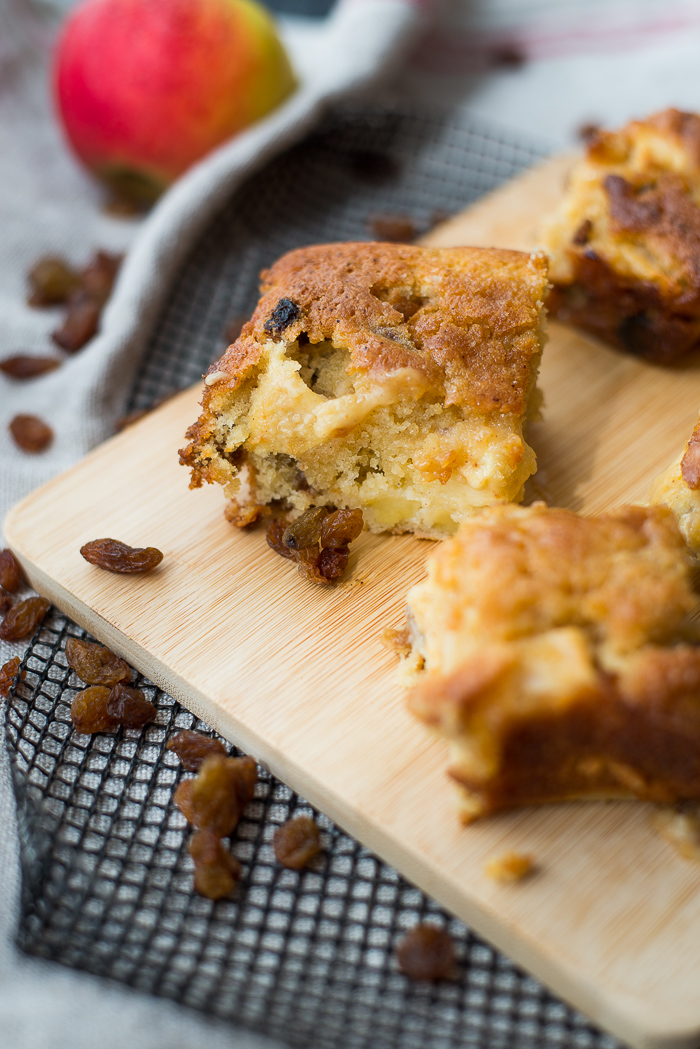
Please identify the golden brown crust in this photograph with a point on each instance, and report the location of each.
(625, 246)
(560, 660)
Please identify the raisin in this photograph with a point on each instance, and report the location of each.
(296, 842)
(399, 229)
(275, 532)
(11, 575)
(28, 366)
(216, 871)
(511, 866)
(192, 748)
(183, 799)
(129, 707)
(89, 711)
(79, 324)
(94, 664)
(97, 279)
(31, 433)
(285, 313)
(5, 602)
(219, 793)
(306, 530)
(426, 953)
(332, 563)
(114, 556)
(341, 527)
(51, 281)
(508, 56)
(24, 618)
(307, 559)
(8, 675)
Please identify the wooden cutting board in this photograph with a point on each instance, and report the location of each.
(296, 675)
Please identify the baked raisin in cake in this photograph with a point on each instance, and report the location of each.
(558, 656)
(624, 245)
(679, 488)
(386, 377)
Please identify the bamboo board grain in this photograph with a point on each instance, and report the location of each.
(297, 676)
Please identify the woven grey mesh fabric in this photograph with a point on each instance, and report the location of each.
(306, 956)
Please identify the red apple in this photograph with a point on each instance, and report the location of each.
(147, 87)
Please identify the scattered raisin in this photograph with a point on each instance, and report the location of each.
(275, 533)
(24, 618)
(28, 366)
(51, 281)
(183, 799)
(296, 842)
(307, 560)
(89, 711)
(220, 791)
(216, 870)
(426, 953)
(11, 576)
(587, 132)
(79, 324)
(31, 433)
(5, 602)
(306, 530)
(129, 707)
(341, 527)
(399, 229)
(94, 664)
(8, 674)
(114, 556)
(192, 748)
(97, 279)
(509, 867)
(332, 562)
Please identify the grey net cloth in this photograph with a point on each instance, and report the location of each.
(307, 957)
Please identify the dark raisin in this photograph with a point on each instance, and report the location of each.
(5, 602)
(333, 562)
(129, 707)
(587, 132)
(89, 711)
(307, 558)
(94, 664)
(508, 56)
(8, 675)
(583, 233)
(22, 620)
(80, 323)
(97, 279)
(31, 433)
(192, 748)
(51, 281)
(274, 534)
(216, 871)
(11, 575)
(426, 953)
(306, 530)
(284, 314)
(296, 842)
(399, 229)
(115, 556)
(28, 366)
(341, 527)
(219, 792)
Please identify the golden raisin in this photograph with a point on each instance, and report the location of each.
(89, 712)
(216, 870)
(8, 674)
(5, 602)
(94, 664)
(296, 842)
(509, 867)
(28, 366)
(274, 534)
(22, 620)
(11, 576)
(183, 799)
(192, 748)
(426, 953)
(306, 530)
(80, 323)
(332, 562)
(51, 281)
(307, 558)
(98, 277)
(340, 528)
(31, 433)
(129, 707)
(220, 791)
(115, 556)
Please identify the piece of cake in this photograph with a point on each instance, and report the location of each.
(386, 377)
(624, 245)
(679, 488)
(558, 656)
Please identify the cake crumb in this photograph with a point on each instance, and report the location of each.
(509, 867)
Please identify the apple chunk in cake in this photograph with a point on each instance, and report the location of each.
(558, 656)
(679, 489)
(385, 377)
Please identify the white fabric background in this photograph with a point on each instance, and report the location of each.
(602, 60)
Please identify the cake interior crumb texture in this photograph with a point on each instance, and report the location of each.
(559, 656)
(392, 378)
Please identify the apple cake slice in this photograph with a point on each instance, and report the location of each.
(385, 377)
(624, 245)
(558, 656)
(679, 489)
